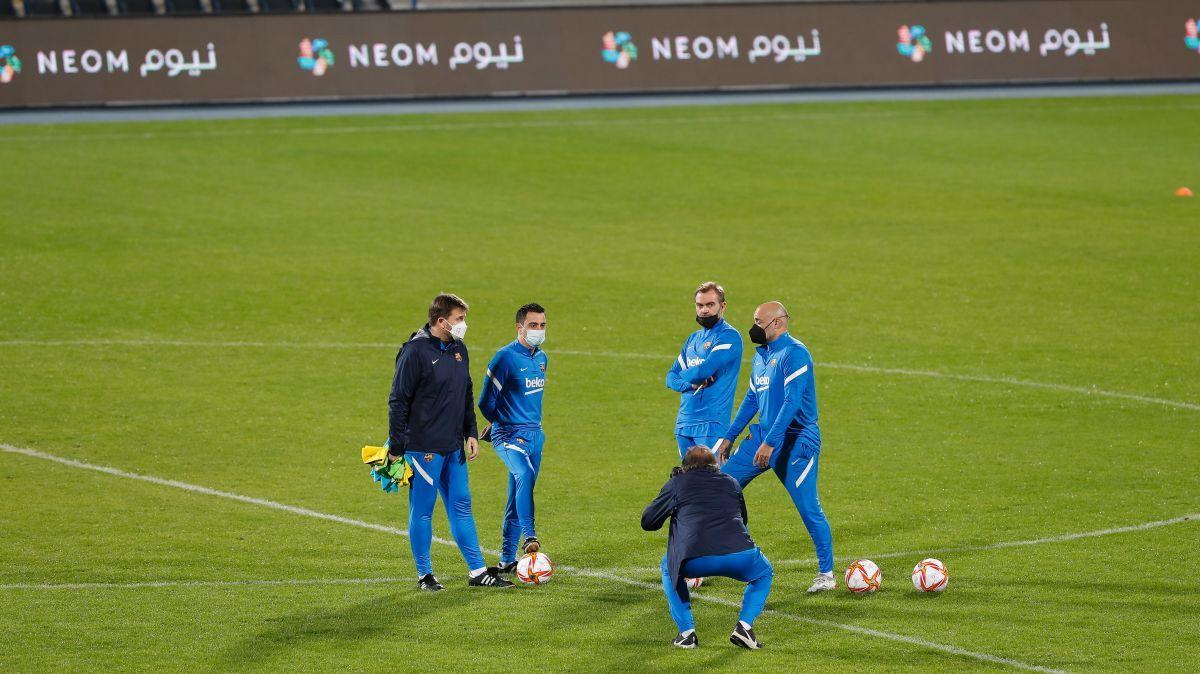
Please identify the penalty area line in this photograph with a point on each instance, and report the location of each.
(306, 512)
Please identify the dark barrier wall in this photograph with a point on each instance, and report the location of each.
(564, 51)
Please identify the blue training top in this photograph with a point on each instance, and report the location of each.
(512, 388)
(782, 392)
(707, 353)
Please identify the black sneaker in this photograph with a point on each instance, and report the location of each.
(509, 568)
(744, 637)
(489, 578)
(690, 641)
(429, 583)
(531, 544)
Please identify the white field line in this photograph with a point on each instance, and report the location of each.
(921, 554)
(295, 510)
(200, 344)
(639, 121)
(199, 583)
(1012, 381)
(1006, 381)
(890, 636)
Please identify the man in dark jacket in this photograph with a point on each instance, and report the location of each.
(431, 413)
(708, 537)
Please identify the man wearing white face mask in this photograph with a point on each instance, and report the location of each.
(431, 417)
(512, 400)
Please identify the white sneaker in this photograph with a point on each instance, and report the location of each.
(822, 582)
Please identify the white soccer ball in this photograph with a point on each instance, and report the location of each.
(929, 575)
(863, 576)
(535, 569)
(693, 583)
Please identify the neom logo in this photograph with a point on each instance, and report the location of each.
(914, 43)
(10, 65)
(619, 49)
(315, 56)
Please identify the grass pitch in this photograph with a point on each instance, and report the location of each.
(1002, 298)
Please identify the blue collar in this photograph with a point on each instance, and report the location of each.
(766, 348)
(523, 350)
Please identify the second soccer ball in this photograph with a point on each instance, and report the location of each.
(863, 576)
(930, 575)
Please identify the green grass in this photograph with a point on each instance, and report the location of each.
(1034, 240)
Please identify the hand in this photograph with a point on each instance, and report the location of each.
(486, 435)
(722, 451)
(472, 449)
(762, 458)
(393, 457)
(706, 382)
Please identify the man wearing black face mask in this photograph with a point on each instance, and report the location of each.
(787, 439)
(705, 373)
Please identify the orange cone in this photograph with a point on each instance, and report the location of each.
(1183, 192)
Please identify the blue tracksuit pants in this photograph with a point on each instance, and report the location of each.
(444, 474)
(708, 434)
(749, 566)
(796, 465)
(521, 452)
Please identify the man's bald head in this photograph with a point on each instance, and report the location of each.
(769, 311)
(772, 317)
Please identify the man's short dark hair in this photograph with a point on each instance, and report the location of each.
(698, 456)
(531, 308)
(443, 305)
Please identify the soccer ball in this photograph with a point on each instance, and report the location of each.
(693, 583)
(863, 576)
(535, 569)
(929, 575)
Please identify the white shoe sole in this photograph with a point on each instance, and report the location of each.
(739, 640)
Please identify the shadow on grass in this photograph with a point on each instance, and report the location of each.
(575, 619)
(368, 623)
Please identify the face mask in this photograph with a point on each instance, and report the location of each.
(707, 322)
(535, 337)
(458, 331)
(758, 334)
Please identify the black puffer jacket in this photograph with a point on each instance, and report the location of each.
(432, 405)
(708, 517)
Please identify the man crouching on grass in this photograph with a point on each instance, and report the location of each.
(708, 537)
